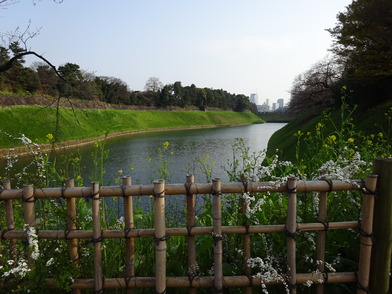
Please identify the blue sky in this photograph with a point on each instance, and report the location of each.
(243, 47)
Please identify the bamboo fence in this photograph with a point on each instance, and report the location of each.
(160, 191)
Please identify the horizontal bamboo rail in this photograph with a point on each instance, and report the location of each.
(195, 231)
(160, 191)
(198, 282)
(181, 189)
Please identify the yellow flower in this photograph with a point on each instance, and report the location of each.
(331, 139)
(49, 137)
(350, 140)
(96, 144)
(165, 144)
(120, 171)
(380, 134)
(149, 159)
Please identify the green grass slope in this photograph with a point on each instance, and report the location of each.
(36, 122)
(367, 121)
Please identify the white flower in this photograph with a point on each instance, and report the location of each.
(50, 262)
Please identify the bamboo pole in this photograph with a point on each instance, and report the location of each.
(29, 214)
(201, 282)
(71, 225)
(9, 220)
(129, 241)
(191, 242)
(366, 231)
(97, 238)
(247, 243)
(291, 231)
(321, 237)
(217, 234)
(141, 233)
(381, 254)
(160, 236)
(179, 189)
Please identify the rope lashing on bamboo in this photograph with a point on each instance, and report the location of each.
(325, 277)
(289, 285)
(188, 188)
(97, 240)
(63, 188)
(359, 286)
(216, 238)
(158, 240)
(189, 229)
(292, 235)
(31, 199)
(127, 280)
(364, 234)
(216, 193)
(292, 190)
(159, 195)
(366, 190)
(250, 280)
(330, 184)
(101, 291)
(126, 233)
(191, 276)
(325, 224)
(66, 233)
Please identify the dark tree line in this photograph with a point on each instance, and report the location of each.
(70, 81)
(361, 61)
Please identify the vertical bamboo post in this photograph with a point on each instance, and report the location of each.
(71, 222)
(381, 254)
(217, 234)
(28, 211)
(97, 238)
(9, 220)
(291, 230)
(366, 231)
(247, 244)
(71, 225)
(190, 223)
(160, 236)
(321, 236)
(129, 242)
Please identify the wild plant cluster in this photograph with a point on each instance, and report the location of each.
(343, 155)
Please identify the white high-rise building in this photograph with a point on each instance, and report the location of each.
(280, 103)
(253, 98)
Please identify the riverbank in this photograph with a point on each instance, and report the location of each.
(71, 127)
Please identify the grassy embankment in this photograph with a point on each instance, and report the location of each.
(37, 122)
(367, 121)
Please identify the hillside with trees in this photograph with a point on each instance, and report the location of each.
(70, 81)
(361, 60)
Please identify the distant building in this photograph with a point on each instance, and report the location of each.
(280, 103)
(253, 98)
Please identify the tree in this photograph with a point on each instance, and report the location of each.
(113, 90)
(315, 90)
(363, 43)
(153, 84)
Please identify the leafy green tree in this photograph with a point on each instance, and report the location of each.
(71, 77)
(113, 90)
(48, 78)
(363, 42)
